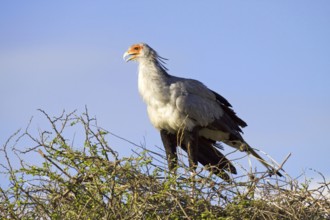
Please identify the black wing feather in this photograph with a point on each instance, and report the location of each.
(227, 107)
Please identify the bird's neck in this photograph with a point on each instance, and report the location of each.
(152, 68)
(153, 80)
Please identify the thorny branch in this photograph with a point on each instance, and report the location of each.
(90, 181)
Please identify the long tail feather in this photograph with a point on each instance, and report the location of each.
(272, 170)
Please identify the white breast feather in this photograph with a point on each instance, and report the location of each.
(158, 95)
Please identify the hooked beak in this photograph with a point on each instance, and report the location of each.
(130, 56)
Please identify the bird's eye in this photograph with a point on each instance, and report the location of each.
(136, 48)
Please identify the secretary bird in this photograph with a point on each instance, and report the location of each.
(189, 115)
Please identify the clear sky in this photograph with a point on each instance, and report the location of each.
(270, 59)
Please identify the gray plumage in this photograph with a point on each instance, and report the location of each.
(177, 105)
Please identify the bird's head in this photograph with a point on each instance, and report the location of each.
(141, 51)
(137, 51)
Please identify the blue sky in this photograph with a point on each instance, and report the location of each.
(270, 59)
